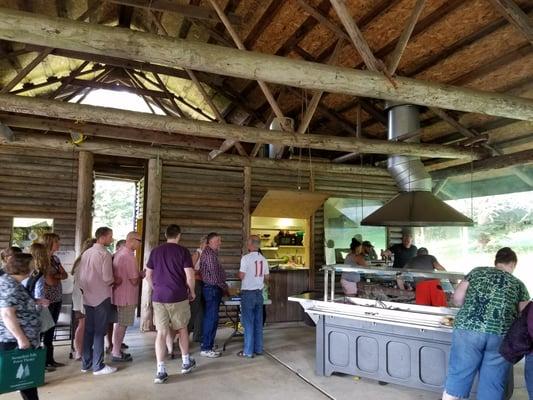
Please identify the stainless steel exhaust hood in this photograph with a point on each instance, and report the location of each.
(415, 205)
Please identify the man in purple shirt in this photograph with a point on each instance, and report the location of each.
(214, 279)
(170, 273)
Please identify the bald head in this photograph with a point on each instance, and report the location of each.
(133, 240)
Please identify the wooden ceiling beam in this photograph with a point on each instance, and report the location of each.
(189, 11)
(115, 117)
(39, 29)
(514, 14)
(107, 131)
(493, 163)
(147, 151)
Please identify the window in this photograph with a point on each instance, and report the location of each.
(342, 221)
(26, 230)
(500, 220)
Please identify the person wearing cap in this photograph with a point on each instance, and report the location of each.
(368, 250)
(428, 292)
(403, 252)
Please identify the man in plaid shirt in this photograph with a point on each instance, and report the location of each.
(214, 279)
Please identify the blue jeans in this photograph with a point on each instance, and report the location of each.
(529, 375)
(96, 323)
(474, 352)
(212, 296)
(252, 320)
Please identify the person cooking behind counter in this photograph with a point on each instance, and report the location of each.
(403, 252)
(370, 253)
(428, 292)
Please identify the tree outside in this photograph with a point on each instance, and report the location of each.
(499, 221)
(114, 206)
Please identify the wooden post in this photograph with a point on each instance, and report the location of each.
(247, 193)
(151, 235)
(84, 200)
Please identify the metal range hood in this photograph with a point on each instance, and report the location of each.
(415, 205)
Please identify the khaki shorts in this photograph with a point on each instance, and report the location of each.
(126, 315)
(171, 315)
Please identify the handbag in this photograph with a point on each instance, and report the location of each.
(21, 369)
(47, 322)
(517, 342)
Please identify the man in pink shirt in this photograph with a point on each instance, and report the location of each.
(96, 280)
(125, 292)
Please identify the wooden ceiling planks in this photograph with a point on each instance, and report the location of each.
(505, 72)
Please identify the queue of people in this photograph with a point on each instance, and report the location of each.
(103, 282)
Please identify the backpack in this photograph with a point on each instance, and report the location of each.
(32, 282)
(517, 342)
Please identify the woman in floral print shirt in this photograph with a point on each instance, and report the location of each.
(20, 325)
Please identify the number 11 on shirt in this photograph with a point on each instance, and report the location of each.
(259, 268)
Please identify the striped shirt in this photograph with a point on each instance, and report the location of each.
(211, 270)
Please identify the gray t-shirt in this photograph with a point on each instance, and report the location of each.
(421, 262)
(351, 276)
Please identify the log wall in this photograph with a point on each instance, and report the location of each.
(35, 183)
(203, 199)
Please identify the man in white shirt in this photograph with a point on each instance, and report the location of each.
(253, 272)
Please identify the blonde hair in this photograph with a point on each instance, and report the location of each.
(41, 257)
(84, 247)
(49, 239)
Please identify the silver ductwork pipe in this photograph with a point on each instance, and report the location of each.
(408, 172)
(415, 205)
(276, 125)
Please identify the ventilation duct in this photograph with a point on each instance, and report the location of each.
(276, 150)
(415, 205)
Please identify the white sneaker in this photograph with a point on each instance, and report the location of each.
(105, 371)
(84, 371)
(210, 353)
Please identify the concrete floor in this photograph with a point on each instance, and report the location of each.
(228, 377)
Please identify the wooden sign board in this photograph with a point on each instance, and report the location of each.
(289, 204)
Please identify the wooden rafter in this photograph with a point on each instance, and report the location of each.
(42, 55)
(357, 37)
(466, 132)
(101, 115)
(518, 18)
(192, 76)
(189, 11)
(394, 59)
(264, 87)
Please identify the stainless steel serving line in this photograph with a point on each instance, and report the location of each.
(330, 270)
(394, 342)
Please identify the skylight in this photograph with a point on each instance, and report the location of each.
(117, 99)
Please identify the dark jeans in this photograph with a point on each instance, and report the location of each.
(96, 321)
(197, 312)
(48, 336)
(212, 297)
(529, 375)
(252, 320)
(26, 394)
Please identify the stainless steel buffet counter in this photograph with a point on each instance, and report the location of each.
(399, 343)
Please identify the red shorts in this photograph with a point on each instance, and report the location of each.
(430, 293)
